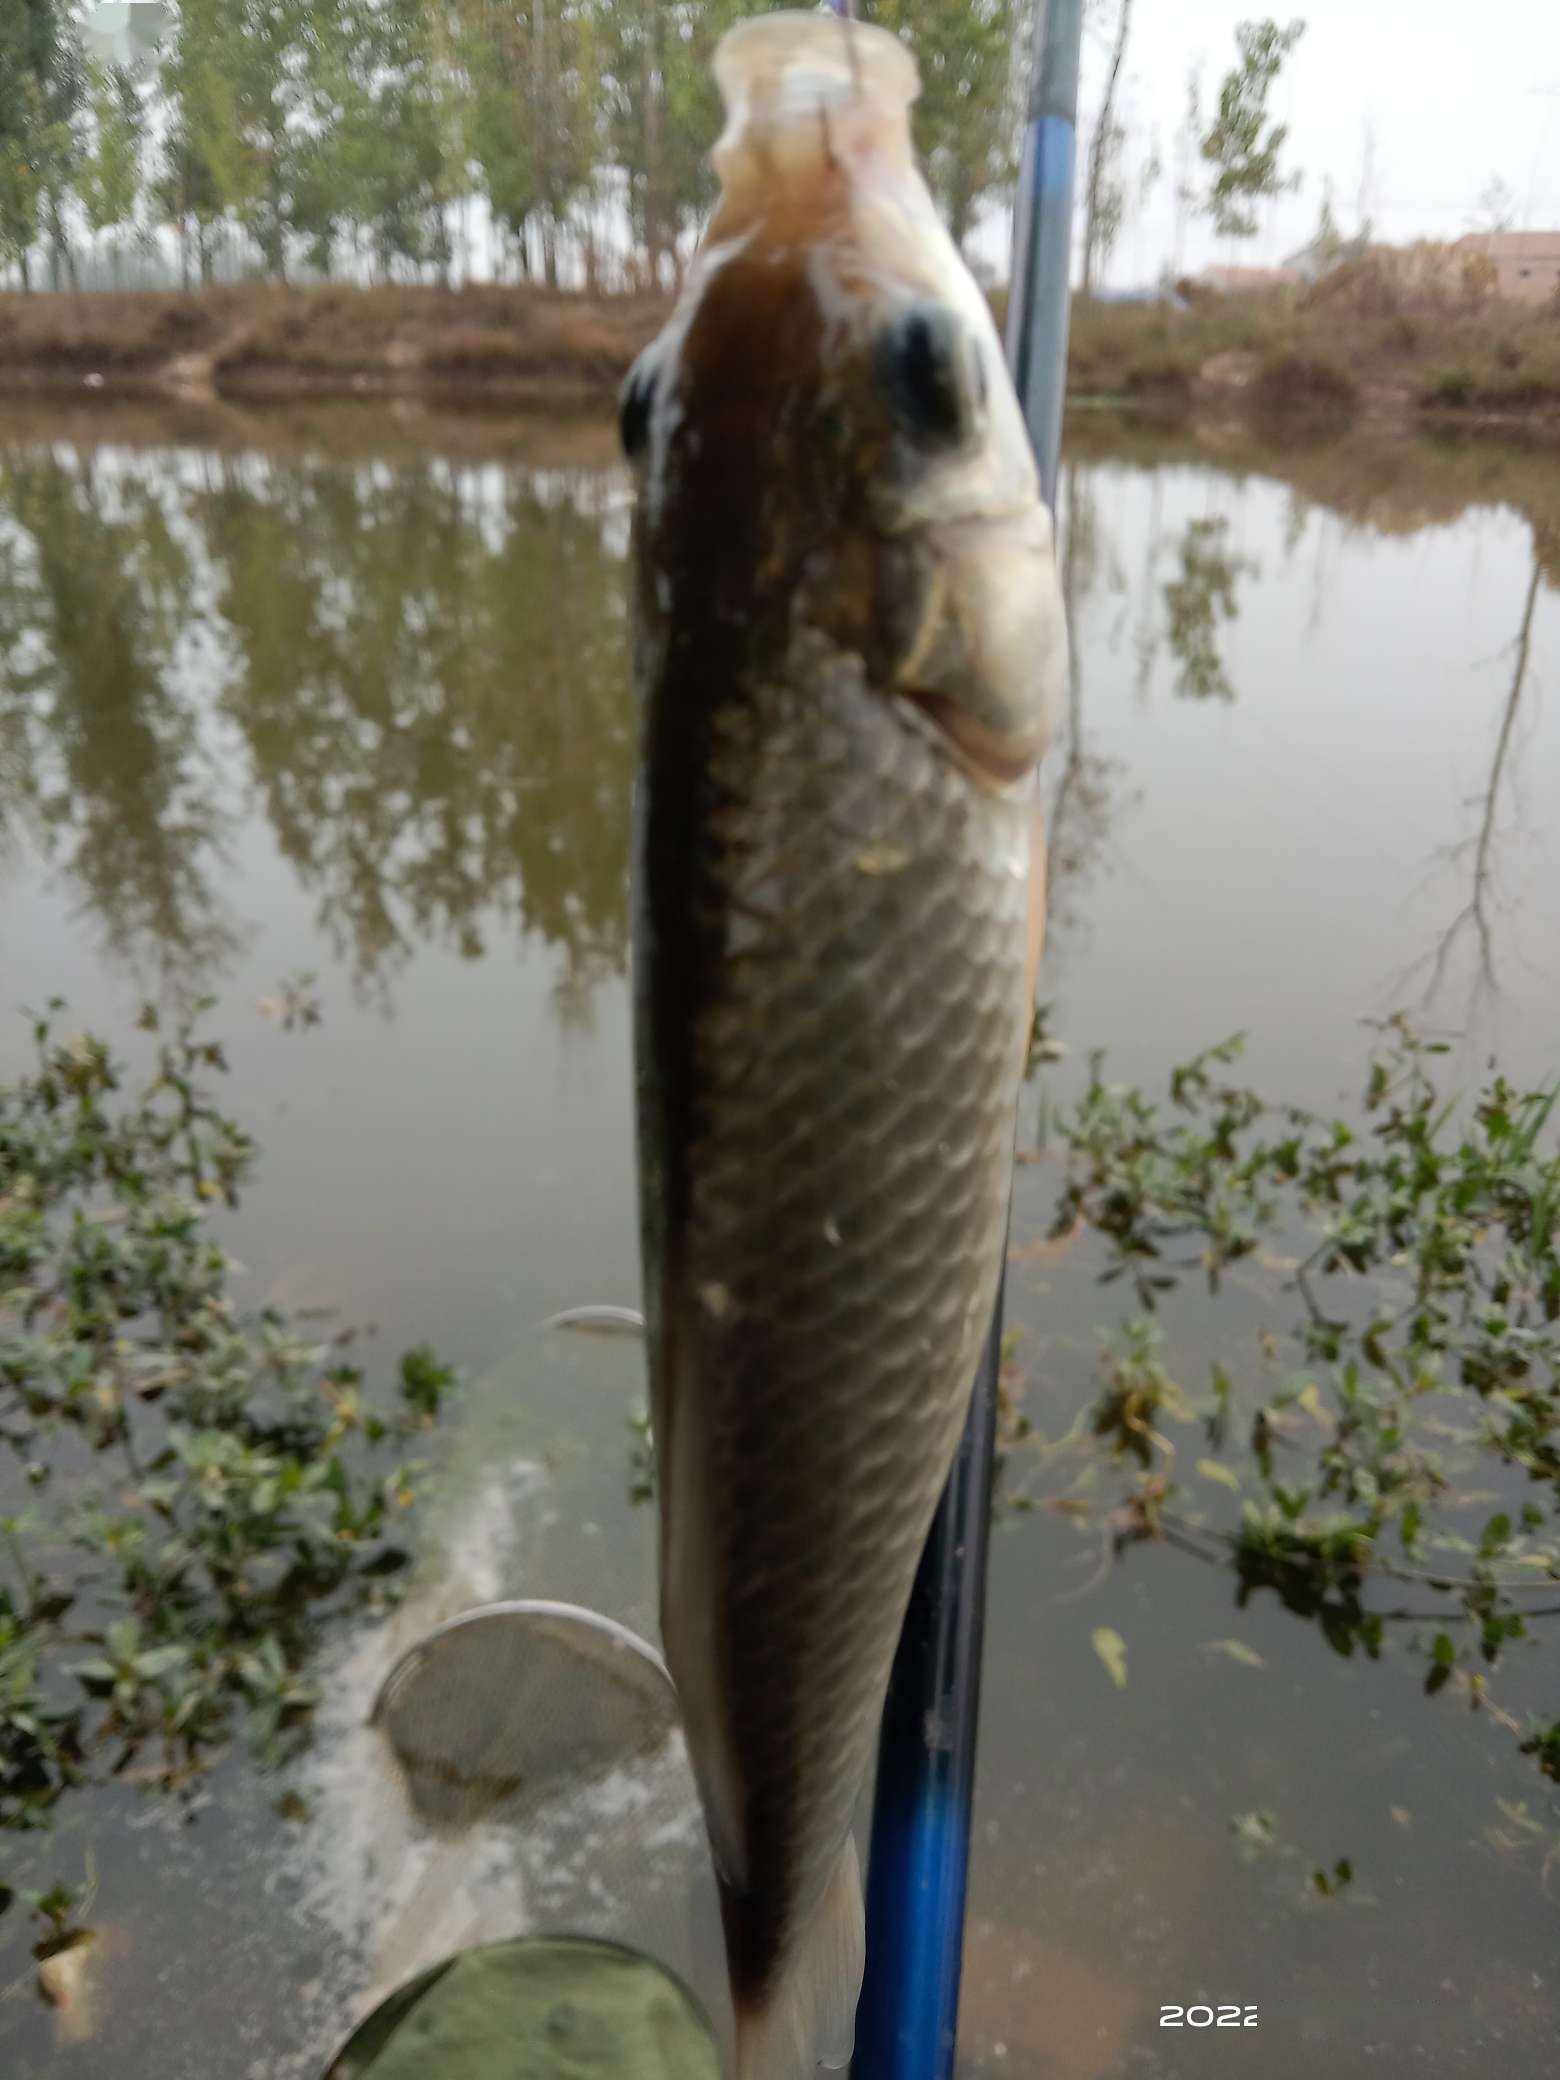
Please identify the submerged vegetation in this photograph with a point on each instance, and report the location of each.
(187, 1491)
(1384, 1456)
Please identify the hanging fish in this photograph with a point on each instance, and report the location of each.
(848, 641)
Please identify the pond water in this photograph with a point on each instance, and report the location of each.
(345, 693)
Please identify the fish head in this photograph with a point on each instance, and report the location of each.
(827, 442)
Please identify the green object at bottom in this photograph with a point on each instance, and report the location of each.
(537, 2008)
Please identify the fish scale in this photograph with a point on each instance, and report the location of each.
(870, 1339)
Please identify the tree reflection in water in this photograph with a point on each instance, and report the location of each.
(101, 759)
(415, 668)
(1081, 805)
(1479, 852)
(1197, 600)
(431, 679)
(419, 671)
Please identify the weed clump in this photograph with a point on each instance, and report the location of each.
(1310, 385)
(190, 1490)
(1415, 1384)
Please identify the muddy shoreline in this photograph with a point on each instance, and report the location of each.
(1260, 360)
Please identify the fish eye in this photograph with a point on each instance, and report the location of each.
(634, 402)
(931, 370)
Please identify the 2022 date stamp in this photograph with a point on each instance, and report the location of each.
(1230, 2015)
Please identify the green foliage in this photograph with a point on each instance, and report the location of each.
(382, 148)
(663, 112)
(531, 110)
(41, 82)
(1137, 1391)
(203, 168)
(1241, 145)
(1421, 1246)
(210, 1479)
(365, 121)
(973, 60)
(109, 180)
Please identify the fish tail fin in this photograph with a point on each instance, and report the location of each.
(808, 2018)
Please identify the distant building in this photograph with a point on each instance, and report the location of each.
(1244, 281)
(1526, 263)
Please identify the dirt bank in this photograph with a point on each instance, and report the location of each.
(1353, 346)
(261, 340)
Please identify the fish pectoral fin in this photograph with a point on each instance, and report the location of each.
(599, 1321)
(808, 2020)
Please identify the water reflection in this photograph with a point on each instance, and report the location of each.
(1197, 599)
(378, 687)
(430, 681)
(1477, 855)
(1185, 519)
(417, 671)
(99, 761)
(1082, 803)
(414, 668)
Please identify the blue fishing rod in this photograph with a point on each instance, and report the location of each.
(918, 1874)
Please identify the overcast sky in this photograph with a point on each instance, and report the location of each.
(1448, 87)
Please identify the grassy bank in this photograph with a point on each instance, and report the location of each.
(1355, 344)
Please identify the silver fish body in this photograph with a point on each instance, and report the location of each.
(847, 639)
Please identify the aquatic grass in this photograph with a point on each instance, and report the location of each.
(192, 1490)
(1412, 1256)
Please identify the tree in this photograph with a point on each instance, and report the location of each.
(1327, 240)
(40, 92)
(109, 183)
(364, 122)
(201, 149)
(1497, 206)
(1365, 196)
(538, 62)
(264, 42)
(663, 113)
(1188, 144)
(1242, 146)
(64, 91)
(1104, 190)
(380, 147)
(967, 119)
(492, 51)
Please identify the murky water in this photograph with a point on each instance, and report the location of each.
(349, 696)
